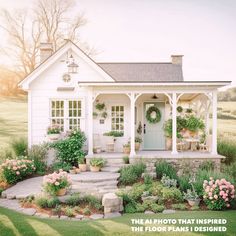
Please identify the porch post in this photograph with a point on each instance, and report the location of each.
(90, 122)
(132, 125)
(214, 122)
(174, 124)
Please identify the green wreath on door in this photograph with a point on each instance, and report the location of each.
(153, 115)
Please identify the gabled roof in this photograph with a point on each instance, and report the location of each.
(24, 84)
(141, 72)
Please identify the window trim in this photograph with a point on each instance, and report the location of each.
(123, 123)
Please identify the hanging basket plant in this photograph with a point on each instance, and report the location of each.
(104, 115)
(100, 106)
(153, 115)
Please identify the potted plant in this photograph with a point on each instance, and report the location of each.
(73, 170)
(126, 148)
(56, 183)
(194, 124)
(100, 106)
(104, 115)
(138, 141)
(95, 115)
(53, 132)
(96, 164)
(180, 109)
(191, 196)
(82, 164)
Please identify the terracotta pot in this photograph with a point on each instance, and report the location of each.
(126, 150)
(73, 171)
(82, 167)
(53, 137)
(137, 146)
(95, 168)
(61, 192)
(194, 202)
(168, 143)
(77, 170)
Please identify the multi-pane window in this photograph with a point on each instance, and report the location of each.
(57, 114)
(74, 114)
(117, 118)
(66, 114)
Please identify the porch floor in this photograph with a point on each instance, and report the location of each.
(160, 155)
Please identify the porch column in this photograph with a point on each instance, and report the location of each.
(214, 123)
(90, 122)
(174, 124)
(132, 125)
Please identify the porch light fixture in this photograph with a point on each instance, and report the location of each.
(154, 96)
(72, 66)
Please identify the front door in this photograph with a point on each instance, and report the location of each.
(154, 137)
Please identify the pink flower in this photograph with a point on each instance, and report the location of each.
(17, 172)
(14, 168)
(228, 205)
(210, 194)
(215, 196)
(57, 183)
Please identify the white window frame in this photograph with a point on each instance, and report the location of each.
(66, 117)
(115, 117)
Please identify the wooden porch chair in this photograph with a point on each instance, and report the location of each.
(110, 145)
(181, 145)
(206, 146)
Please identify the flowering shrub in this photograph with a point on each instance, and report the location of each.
(55, 129)
(16, 170)
(52, 183)
(218, 194)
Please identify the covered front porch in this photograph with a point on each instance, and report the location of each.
(130, 103)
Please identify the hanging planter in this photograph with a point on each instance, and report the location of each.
(100, 106)
(104, 115)
(153, 115)
(95, 115)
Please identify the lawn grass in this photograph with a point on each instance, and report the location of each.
(13, 223)
(13, 119)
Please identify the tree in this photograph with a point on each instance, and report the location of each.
(49, 21)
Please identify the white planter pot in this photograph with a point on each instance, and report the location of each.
(53, 137)
(194, 202)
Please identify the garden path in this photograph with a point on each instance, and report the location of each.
(96, 183)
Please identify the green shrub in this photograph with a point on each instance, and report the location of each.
(228, 149)
(179, 206)
(92, 201)
(73, 200)
(130, 208)
(194, 123)
(183, 182)
(42, 202)
(53, 202)
(61, 165)
(69, 211)
(137, 190)
(86, 211)
(148, 180)
(168, 182)
(126, 160)
(19, 146)
(156, 189)
(172, 194)
(230, 170)
(140, 208)
(130, 174)
(162, 167)
(1, 190)
(157, 208)
(207, 165)
(38, 153)
(70, 149)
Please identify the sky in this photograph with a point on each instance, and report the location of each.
(204, 31)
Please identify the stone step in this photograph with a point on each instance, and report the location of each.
(95, 185)
(93, 177)
(112, 169)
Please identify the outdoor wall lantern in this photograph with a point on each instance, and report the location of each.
(72, 66)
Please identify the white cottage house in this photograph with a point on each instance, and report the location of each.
(66, 88)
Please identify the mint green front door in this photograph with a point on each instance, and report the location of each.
(154, 138)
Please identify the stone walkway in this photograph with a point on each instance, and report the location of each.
(96, 183)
